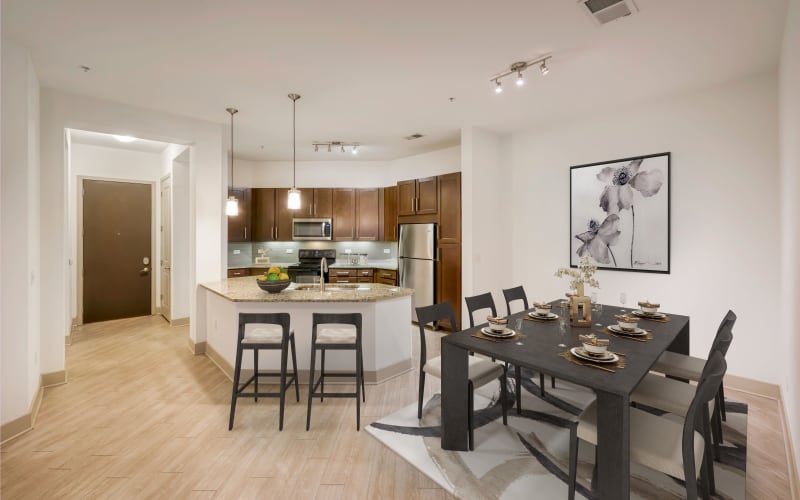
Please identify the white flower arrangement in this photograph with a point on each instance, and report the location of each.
(584, 275)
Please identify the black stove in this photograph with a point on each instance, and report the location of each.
(309, 266)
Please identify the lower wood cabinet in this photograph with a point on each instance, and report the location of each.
(354, 275)
(238, 272)
(386, 276)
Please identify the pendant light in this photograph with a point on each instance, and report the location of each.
(294, 193)
(232, 205)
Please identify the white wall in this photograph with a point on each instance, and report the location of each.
(789, 99)
(724, 214)
(101, 162)
(356, 174)
(180, 301)
(486, 215)
(61, 111)
(19, 225)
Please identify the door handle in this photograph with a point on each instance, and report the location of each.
(145, 270)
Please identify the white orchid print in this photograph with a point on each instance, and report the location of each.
(621, 181)
(599, 237)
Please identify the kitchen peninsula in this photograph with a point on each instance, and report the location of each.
(386, 313)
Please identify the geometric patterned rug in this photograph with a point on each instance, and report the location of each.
(528, 458)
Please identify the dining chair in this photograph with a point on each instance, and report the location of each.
(687, 367)
(480, 371)
(264, 331)
(478, 303)
(486, 301)
(335, 331)
(675, 396)
(516, 293)
(674, 448)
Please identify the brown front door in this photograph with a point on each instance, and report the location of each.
(116, 250)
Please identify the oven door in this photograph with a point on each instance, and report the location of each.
(311, 229)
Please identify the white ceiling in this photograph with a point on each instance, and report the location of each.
(109, 141)
(372, 72)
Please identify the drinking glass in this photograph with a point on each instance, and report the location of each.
(562, 330)
(594, 301)
(623, 297)
(518, 325)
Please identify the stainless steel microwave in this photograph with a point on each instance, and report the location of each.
(311, 229)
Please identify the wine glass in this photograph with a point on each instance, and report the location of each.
(597, 307)
(518, 325)
(594, 301)
(623, 297)
(562, 330)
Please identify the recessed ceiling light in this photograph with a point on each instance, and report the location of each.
(125, 138)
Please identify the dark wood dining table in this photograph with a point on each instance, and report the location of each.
(539, 351)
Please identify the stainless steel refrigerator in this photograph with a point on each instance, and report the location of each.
(417, 263)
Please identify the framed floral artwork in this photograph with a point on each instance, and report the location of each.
(619, 213)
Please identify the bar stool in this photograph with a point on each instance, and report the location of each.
(335, 331)
(271, 333)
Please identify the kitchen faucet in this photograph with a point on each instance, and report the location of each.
(323, 268)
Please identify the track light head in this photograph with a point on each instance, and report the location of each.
(316, 148)
(355, 149)
(498, 87)
(543, 68)
(520, 80)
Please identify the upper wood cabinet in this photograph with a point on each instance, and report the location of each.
(343, 202)
(239, 226)
(417, 197)
(315, 202)
(389, 229)
(272, 219)
(264, 214)
(367, 211)
(450, 208)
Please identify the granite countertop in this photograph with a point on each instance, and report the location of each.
(376, 264)
(246, 290)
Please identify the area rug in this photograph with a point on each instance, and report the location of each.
(529, 457)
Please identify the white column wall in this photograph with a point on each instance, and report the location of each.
(486, 215)
(789, 99)
(725, 236)
(207, 190)
(19, 225)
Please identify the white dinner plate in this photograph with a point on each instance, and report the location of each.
(635, 333)
(543, 316)
(507, 332)
(580, 352)
(642, 314)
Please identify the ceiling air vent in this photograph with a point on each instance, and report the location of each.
(412, 137)
(605, 11)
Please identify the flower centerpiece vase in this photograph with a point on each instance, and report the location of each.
(580, 309)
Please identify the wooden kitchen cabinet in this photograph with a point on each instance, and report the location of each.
(450, 209)
(449, 280)
(239, 226)
(417, 197)
(351, 275)
(386, 276)
(272, 219)
(238, 272)
(343, 201)
(389, 228)
(315, 202)
(263, 214)
(367, 210)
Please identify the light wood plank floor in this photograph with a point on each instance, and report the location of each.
(143, 417)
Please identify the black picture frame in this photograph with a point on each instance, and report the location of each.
(620, 213)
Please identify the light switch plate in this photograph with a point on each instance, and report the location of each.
(347, 250)
(237, 252)
(289, 250)
(387, 250)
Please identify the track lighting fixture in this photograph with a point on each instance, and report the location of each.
(338, 144)
(517, 68)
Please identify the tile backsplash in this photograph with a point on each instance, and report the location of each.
(285, 252)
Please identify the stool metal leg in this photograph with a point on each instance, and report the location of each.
(311, 385)
(322, 378)
(284, 355)
(359, 385)
(294, 366)
(255, 373)
(236, 374)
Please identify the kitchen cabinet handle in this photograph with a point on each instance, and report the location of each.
(245, 232)
(343, 281)
(342, 273)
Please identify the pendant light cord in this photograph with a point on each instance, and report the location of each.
(294, 143)
(232, 111)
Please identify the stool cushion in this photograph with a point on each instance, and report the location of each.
(335, 333)
(263, 334)
(655, 441)
(679, 365)
(481, 371)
